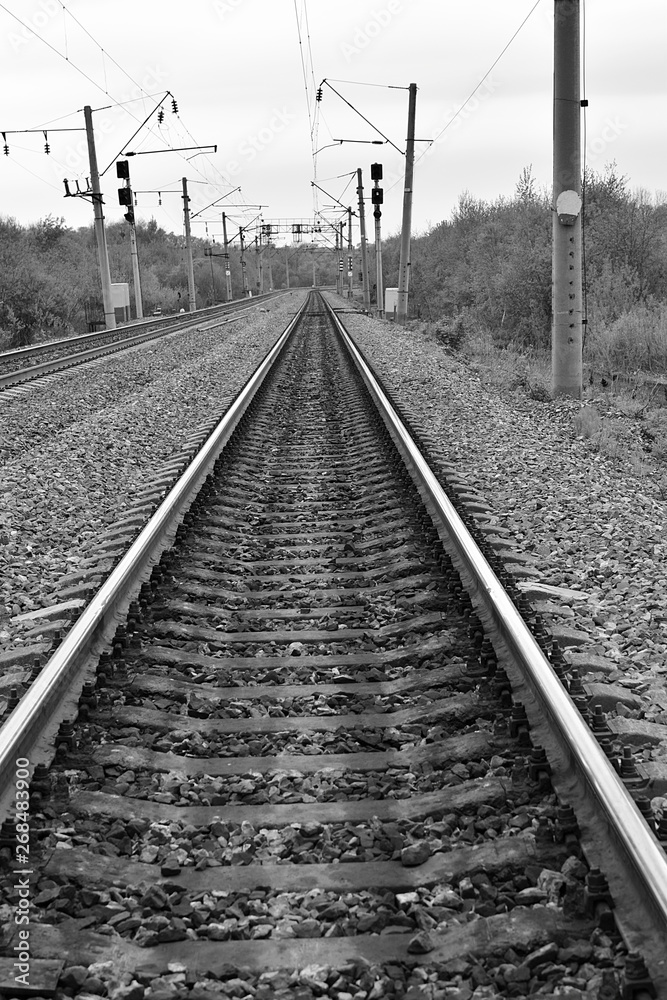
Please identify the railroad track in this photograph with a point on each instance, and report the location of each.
(302, 770)
(20, 369)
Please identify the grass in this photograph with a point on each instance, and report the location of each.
(633, 430)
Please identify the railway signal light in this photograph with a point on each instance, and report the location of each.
(376, 171)
(124, 196)
(377, 195)
(123, 170)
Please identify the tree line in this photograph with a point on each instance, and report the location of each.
(489, 265)
(50, 282)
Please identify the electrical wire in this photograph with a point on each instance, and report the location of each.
(94, 40)
(368, 122)
(312, 116)
(473, 92)
(363, 83)
(48, 44)
(157, 136)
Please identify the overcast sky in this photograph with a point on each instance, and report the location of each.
(236, 69)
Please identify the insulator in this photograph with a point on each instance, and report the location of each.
(319, 94)
(160, 116)
(174, 106)
(5, 148)
(47, 148)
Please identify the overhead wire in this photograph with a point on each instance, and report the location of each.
(312, 115)
(474, 91)
(104, 89)
(368, 122)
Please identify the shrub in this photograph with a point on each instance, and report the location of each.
(587, 422)
(637, 340)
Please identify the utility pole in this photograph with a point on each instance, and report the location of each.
(404, 261)
(364, 253)
(339, 261)
(566, 338)
(377, 195)
(209, 253)
(286, 268)
(188, 247)
(125, 198)
(100, 235)
(349, 253)
(244, 275)
(228, 270)
(260, 264)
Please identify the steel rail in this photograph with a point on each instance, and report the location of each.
(64, 361)
(32, 724)
(640, 848)
(151, 322)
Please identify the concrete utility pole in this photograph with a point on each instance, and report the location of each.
(404, 261)
(100, 235)
(260, 265)
(364, 251)
(188, 247)
(244, 275)
(566, 339)
(377, 196)
(286, 268)
(138, 305)
(228, 270)
(339, 259)
(349, 253)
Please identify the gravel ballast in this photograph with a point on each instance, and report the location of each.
(77, 452)
(591, 524)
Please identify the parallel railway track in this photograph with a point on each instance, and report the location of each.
(302, 768)
(23, 366)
